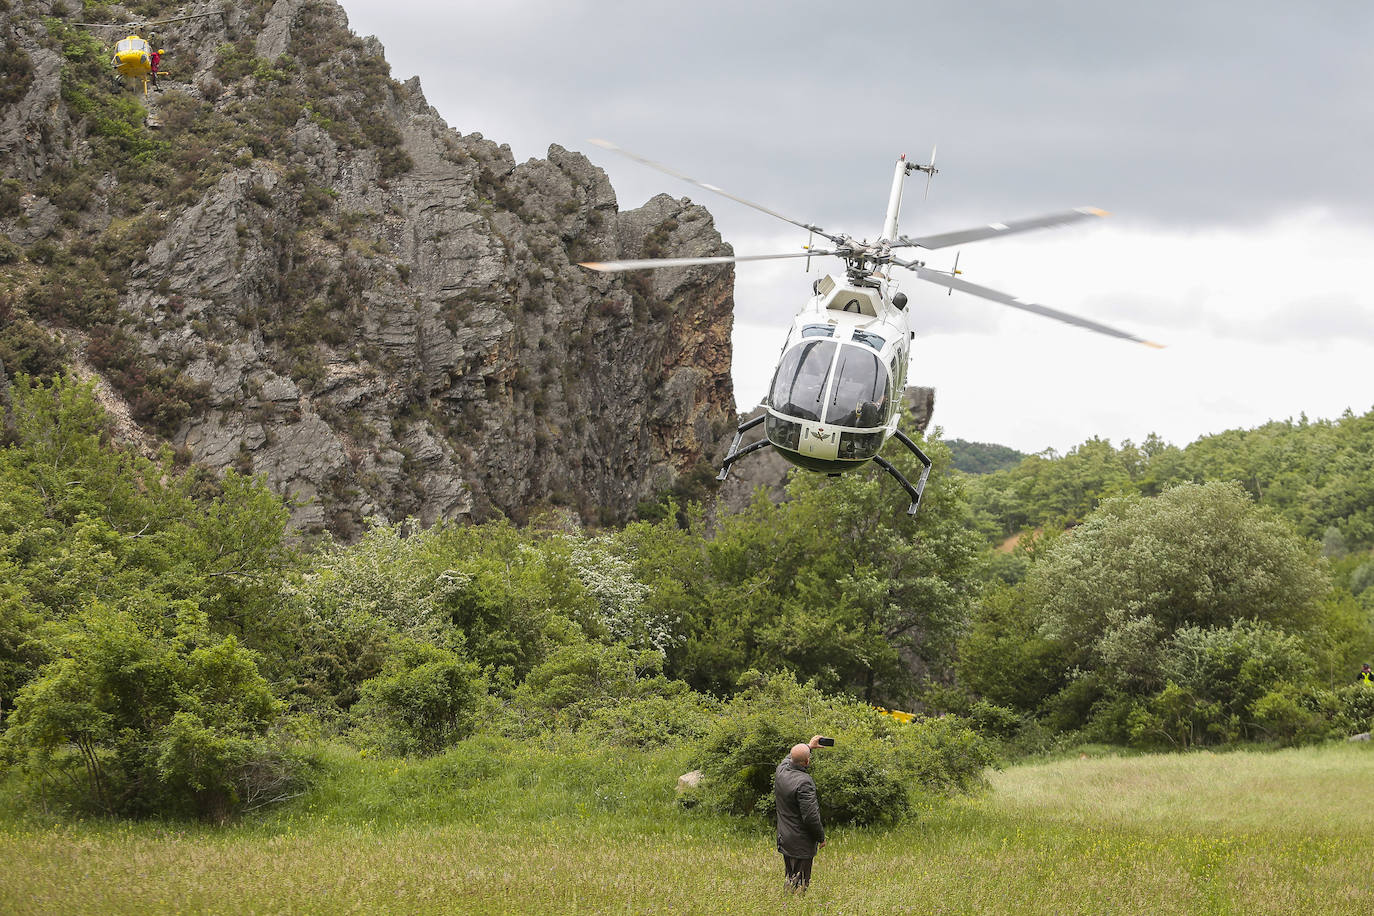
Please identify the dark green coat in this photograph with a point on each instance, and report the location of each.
(799, 813)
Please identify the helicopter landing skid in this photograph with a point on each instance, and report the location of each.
(736, 453)
(916, 491)
(925, 471)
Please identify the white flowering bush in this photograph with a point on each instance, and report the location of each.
(620, 600)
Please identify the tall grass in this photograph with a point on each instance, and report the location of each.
(497, 827)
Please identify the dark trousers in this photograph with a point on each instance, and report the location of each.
(798, 872)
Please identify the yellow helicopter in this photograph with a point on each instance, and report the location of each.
(135, 58)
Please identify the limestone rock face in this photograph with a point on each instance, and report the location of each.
(381, 314)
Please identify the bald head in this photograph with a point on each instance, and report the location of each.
(801, 755)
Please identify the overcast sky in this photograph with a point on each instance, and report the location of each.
(1230, 141)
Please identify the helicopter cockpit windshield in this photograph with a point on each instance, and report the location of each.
(799, 385)
(859, 396)
(841, 385)
(131, 45)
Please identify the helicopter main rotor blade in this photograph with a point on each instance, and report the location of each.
(138, 26)
(181, 19)
(607, 145)
(959, 237)
(656, 263)
(940, 278)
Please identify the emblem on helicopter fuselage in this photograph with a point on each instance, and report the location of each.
(818, 443)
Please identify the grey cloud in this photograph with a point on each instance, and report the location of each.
(1315, 319)
(1185, 113)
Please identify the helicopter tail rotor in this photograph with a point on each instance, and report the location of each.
(954, 272)
(930, 171)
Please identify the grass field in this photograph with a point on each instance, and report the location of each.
(494, 829)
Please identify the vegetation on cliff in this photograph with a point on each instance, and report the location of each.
(284, 262)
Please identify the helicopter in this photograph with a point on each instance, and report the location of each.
(134, 57)
(836, 393)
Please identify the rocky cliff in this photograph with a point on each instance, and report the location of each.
(285, 262)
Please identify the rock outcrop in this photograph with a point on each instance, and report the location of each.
(304, 272)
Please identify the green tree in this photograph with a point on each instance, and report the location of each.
(1201, 556)
(836, 583)
(1095, 630)
(138, 723)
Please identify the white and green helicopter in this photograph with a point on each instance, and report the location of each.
(837, 390)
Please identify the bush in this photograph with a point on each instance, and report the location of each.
(126, 722)
(877, 769)
(1354, 709)
(1288, 716)
(425, 699)
(612, 693)
(1362, 579)
(651, 721)
(25, 347)
(1223, 684)
(159, 396)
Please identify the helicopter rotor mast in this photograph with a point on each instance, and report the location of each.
(894, 198)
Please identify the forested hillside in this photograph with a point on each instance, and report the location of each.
(1319, 475)
(982, 457)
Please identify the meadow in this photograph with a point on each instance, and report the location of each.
(498, 827)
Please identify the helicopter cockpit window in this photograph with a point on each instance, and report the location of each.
(799, 385)
(875, 341)
(817, 330)
(861, 391)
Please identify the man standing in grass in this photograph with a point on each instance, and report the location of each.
(800, 831)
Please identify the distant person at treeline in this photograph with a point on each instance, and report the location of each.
(800, 832)
(1365, 676)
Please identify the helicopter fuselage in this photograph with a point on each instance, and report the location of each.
(132, 58)
(837, 391)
